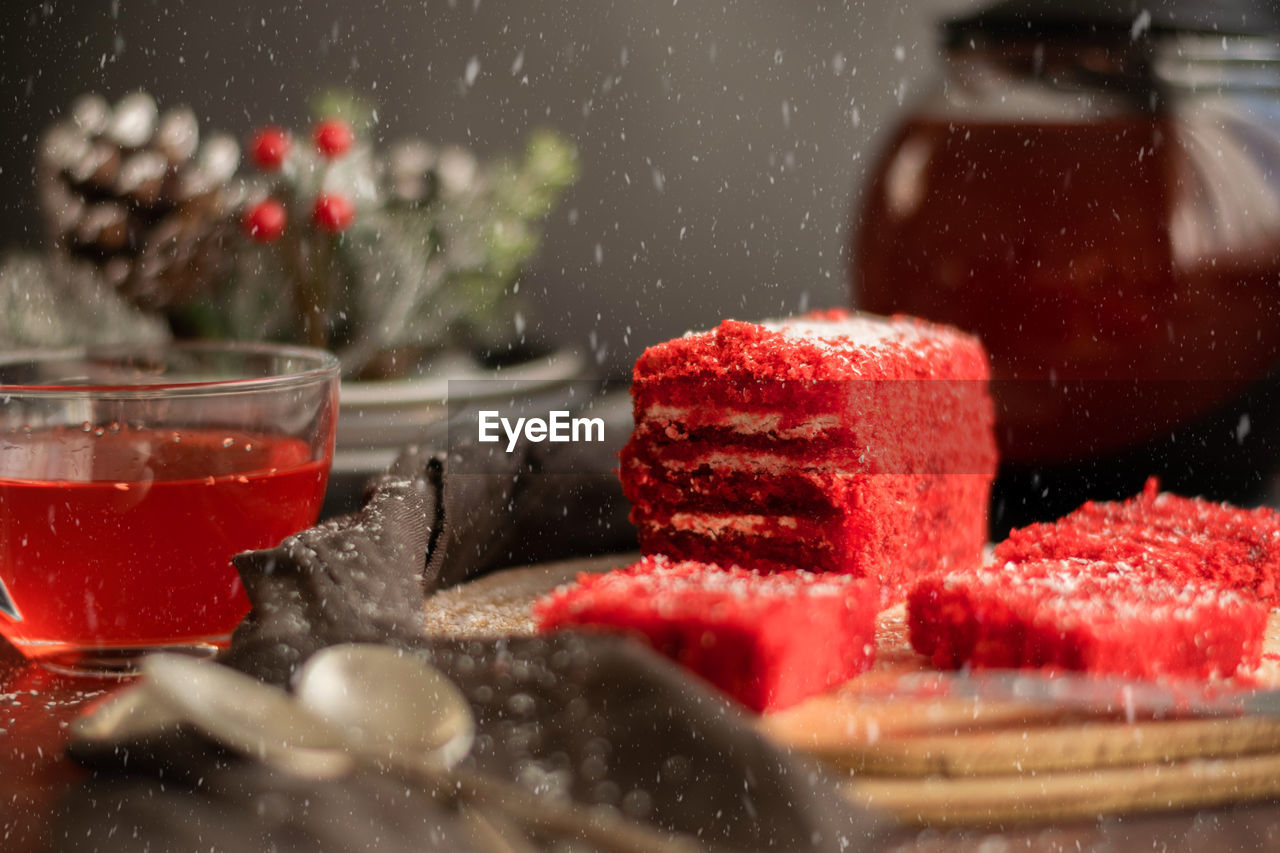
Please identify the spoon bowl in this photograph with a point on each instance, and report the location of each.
(389, 703)
(246, 715)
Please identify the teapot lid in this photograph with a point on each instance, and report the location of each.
(1130, 19)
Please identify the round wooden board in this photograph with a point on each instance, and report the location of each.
(498, 605)
(928, 755)
(1033, 798)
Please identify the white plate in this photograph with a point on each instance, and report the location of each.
(377, 419)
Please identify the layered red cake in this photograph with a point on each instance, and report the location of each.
(833, 442)
(1184, 540)
(1099, 617)
(769, 640)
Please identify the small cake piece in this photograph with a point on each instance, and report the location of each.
(1181, 539)
(834, 442)
(1087, 616)
(767, 640)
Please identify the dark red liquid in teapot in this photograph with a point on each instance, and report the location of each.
(1118, 254)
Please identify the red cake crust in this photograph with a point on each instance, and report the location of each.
(767, 640)
(911, 349)
(834, 442)
(1184, 540)
(1106, 618)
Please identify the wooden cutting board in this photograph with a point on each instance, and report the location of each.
(913, 745)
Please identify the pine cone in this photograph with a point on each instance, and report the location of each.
(138, 195)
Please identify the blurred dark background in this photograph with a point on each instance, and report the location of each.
(722, 143)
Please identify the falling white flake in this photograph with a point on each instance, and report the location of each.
(1141, 24)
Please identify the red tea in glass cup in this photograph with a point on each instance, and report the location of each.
(128, 479)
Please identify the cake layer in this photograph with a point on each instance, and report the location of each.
(791, 490)
(836, 451)
(1181, 539)
(792, 409)
(886, 527)
(915, 426)
(751, 635)
(1100, 617)
(765, 553)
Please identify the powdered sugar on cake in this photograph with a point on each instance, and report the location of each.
(675, 579)
(859, 331)
(1184, 540)
(1082, 592)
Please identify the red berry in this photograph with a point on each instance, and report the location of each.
(333, 137)
(332, 212)
(269, 148)
(265, 221)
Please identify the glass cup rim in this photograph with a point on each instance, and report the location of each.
(315, 365)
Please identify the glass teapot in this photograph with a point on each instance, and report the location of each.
(1095, 192)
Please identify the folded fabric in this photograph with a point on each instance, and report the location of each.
(540, 501)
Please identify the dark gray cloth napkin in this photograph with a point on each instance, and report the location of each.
(600, 719)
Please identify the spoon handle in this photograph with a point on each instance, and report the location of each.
(603, 829)
(490, 830)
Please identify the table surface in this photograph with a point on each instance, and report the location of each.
(36, 707)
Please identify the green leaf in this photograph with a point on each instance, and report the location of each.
(345, 104)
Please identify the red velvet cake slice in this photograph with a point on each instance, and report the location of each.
(1082, 615)
(769, 640)
(1181, 539)
(834, 442)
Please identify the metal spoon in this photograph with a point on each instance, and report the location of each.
(131, 713)
(262, 721)
(247, 715)
(356, 704)
(391, 705)
(397, 711)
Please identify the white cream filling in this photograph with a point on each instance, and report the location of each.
(757, 463)
(744, 423)
(713, 525)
